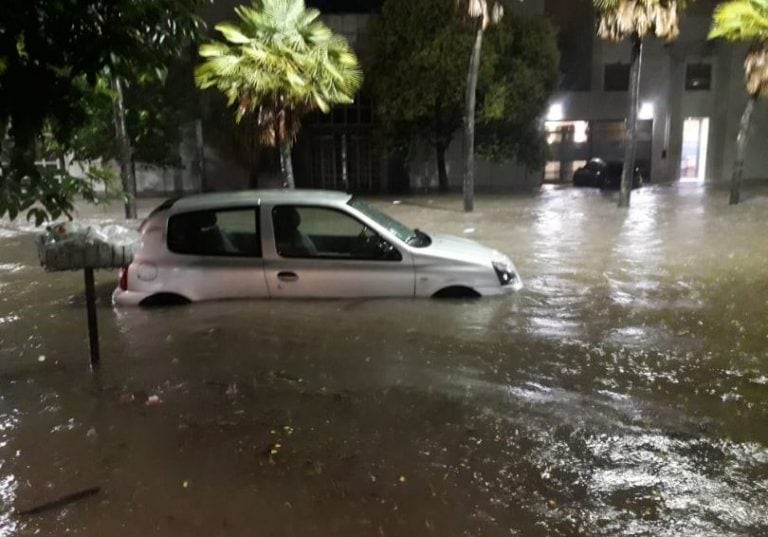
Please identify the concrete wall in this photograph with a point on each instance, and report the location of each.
(184, 179)
(489, 176)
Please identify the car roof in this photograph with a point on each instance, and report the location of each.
(255, 197)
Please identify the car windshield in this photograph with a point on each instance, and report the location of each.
(398, 229)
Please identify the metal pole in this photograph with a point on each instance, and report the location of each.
(93, 327)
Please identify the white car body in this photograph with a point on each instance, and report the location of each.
(448, 266)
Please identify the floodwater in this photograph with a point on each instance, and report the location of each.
(623, 392)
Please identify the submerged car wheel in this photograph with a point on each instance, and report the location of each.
(456, 291)
(164, 299)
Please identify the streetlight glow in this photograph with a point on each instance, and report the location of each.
(647, 111)
(556, 112)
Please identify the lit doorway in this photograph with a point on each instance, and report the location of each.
(693, 160)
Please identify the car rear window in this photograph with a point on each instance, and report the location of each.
(220, 232)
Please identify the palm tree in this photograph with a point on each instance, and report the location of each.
(635, 20)
(745, 21)
(483, 13)
(278, 63)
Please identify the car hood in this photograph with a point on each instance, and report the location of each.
(458, 249)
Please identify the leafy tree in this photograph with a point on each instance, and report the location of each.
(635, 20)
(418, 80)
(53, 53)
(417, 74)
(745, 21)
(482, 13)
(518, 73)
(160, 31)
(155, 106)
(278, 63)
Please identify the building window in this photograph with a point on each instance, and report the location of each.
(616, 77)
(698, 76)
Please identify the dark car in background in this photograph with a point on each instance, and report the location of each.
(601, 174)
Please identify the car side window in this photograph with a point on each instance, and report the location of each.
(225, 232)
(319, 232)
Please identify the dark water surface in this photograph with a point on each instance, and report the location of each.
(623, 392)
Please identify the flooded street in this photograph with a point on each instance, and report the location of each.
(624, 391)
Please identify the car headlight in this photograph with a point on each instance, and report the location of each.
(505, 271)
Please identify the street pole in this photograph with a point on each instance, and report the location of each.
(93, 327)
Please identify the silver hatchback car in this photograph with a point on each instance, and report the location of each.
(300, 244)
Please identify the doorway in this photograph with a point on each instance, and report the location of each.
(693, 160)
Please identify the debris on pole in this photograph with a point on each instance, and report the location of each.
(75, 246)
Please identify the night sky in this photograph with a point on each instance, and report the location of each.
(346, 6)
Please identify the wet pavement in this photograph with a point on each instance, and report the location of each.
(623, 392)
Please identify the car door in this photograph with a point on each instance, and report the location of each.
(217, 253)
(326, 252)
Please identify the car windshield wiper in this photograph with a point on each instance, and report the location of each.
(419, 239)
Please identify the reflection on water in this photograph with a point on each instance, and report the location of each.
(622, 392)
(8, 483)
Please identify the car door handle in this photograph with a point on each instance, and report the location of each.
(287, 276)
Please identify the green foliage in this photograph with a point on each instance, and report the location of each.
(53, 54)
(417, 73)
(418, 79)
(746, 21)
(50, 193)
(279, 61)
(518, 74)
(155, 108)
(741, 21)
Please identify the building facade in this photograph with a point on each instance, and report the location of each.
(692, 96)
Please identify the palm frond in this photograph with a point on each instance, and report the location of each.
(741, 20)
(486, 11)
(746, 21)
(620, 19)
(232, 33)
(756, 72)
(278, 62)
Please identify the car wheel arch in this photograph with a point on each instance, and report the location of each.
(456, 291)
(164, 299)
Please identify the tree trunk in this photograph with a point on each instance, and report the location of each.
(628, 173)
(442, 173)
(125, 151)
(344, 163)
(469, 123)
(200, 143)
(285, 164)
(254, 158)
(741, 146)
